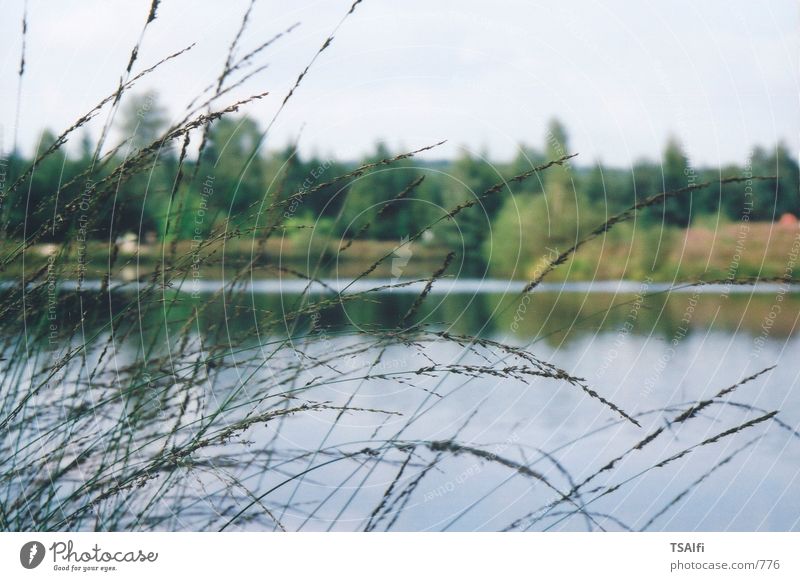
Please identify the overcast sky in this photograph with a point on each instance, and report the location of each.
(721, 75)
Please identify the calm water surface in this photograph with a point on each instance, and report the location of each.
(641, 346)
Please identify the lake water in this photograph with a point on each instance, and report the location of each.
(648, 349)
(644, 354)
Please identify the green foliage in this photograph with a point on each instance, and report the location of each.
(231, 157)
(677, 174)
(369, 194)
(143, 120)
(517, 239)
(238, 183)
(468, 178)
(314, 239)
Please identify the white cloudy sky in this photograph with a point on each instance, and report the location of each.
(722, 75)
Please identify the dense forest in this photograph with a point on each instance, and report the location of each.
(237, 176)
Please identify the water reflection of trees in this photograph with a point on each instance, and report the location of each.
(554, 318)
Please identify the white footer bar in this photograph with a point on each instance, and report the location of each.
(401, 556)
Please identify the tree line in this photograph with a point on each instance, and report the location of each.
(235, 178)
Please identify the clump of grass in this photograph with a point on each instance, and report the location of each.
(141, 410)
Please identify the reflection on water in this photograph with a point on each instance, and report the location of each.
(642, 347)
(555, 317)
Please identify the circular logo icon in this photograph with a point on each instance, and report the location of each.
(31, 554)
